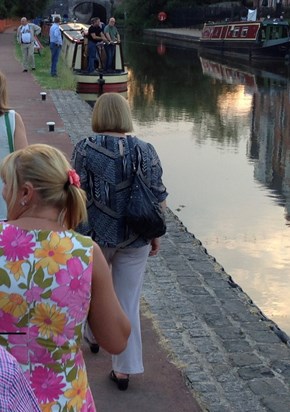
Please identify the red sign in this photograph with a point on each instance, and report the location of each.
(162, 16)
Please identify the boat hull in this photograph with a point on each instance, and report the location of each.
(248, 50)
(259, 40)
(102, 83)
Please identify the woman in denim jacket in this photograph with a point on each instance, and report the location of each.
(104, 164)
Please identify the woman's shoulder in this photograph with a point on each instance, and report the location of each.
(145, 146)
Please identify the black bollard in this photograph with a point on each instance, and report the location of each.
(50, 126)
(101, 82)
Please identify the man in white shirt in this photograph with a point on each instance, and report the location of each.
(25, 37)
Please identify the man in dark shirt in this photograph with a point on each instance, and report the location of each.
(95, 36)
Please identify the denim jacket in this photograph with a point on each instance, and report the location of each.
(104, 164)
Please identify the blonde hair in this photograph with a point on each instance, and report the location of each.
(3, 94)
(112, 114)
(46, 168)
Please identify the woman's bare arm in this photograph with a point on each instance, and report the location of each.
(20, 139)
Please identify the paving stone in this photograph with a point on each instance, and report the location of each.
(251, 372)
(268, 386)
(277, 404)
(244, 359)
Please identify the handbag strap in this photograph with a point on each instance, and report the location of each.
(9, 132)
(136, 158)
(132, 153)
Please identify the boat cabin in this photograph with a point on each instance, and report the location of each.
(246, 30)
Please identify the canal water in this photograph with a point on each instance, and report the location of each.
(222, 133)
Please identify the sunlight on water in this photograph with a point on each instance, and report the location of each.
(225, 180)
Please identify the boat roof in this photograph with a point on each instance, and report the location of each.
(74, 31)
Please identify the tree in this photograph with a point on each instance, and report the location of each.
(19, 8)
(147, 12)
(140, 14)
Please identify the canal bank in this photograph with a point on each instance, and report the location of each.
(230, 355)
(187, 36)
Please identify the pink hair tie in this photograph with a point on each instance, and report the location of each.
(74, 178)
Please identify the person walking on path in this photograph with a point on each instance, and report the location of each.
(12, 133)
(112, 36)
(16, 394)
(105, 166)
(55, 44)
(25, 37)
(53, 279)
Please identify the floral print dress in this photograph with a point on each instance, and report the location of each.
(45, 292)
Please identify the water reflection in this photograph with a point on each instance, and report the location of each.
(222, 133)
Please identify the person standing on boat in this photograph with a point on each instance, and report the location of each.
(95, 36)
(55, 43)
(25, 37)
(112, 37)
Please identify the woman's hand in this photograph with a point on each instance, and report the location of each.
(155, 246)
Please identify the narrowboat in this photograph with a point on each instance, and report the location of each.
(74, 51)
(266, 39)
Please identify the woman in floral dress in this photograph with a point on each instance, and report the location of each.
(52, 279)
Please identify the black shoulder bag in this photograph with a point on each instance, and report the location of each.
(144, 214)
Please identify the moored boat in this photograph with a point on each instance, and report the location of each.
(74, 51)
(266, 39)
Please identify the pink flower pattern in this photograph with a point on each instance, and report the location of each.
(47, 385)
(51, 361)
(16, 243)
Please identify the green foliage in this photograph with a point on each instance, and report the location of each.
(19, 8)
(139, 14)
(5, 6)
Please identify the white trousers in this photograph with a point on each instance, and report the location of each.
(128, 268)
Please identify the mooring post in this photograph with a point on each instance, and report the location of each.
(101, 82)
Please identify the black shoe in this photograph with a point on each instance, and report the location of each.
(122, 383)
(94, 347)
(25, 70)
(33, 68)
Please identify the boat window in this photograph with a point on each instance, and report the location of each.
(236, 32)
(263, 34)
(244, 32)
(285, 32)
(275, 33)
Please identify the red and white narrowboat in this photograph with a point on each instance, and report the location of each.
(267, 39)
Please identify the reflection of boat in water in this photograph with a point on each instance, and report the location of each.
(255, 77)
(75, 54)
(253, 40)
(226, 73)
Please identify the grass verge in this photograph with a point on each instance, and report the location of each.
(65, 80)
